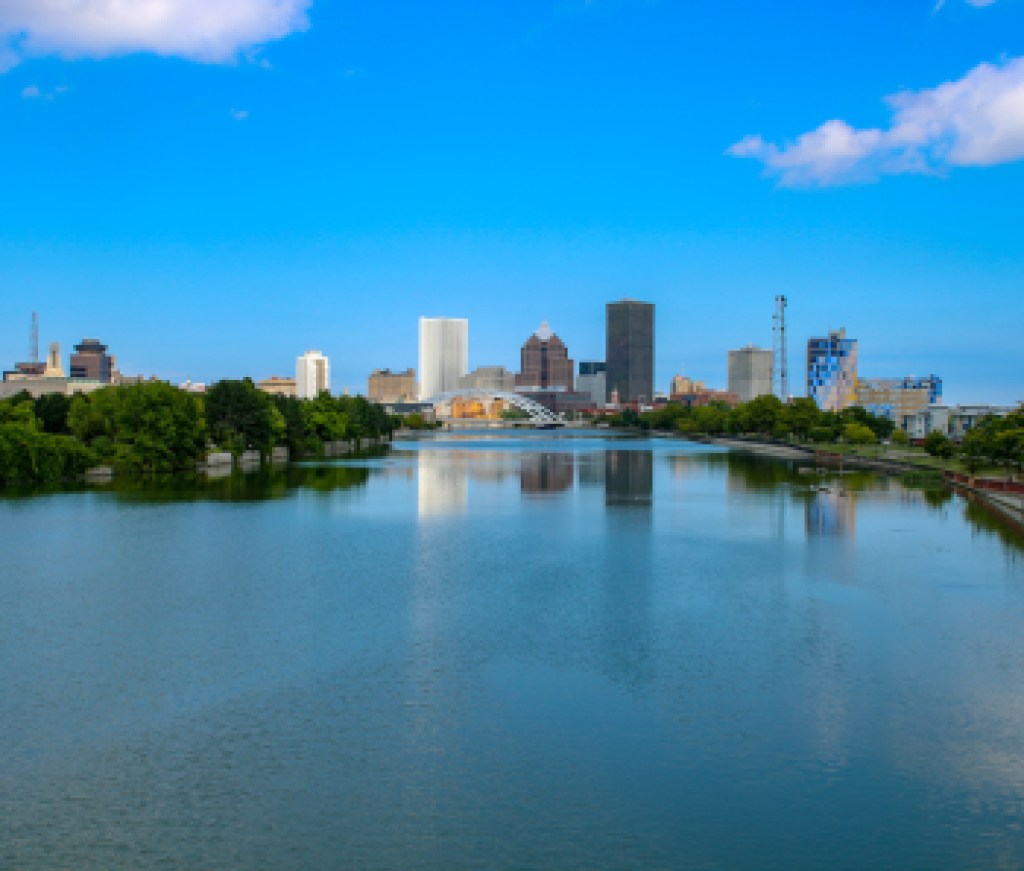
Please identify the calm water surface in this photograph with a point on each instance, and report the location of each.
(512, 653)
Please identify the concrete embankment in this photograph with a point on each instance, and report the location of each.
(1002, 497)
(815, 456)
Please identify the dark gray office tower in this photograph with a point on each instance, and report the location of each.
(629, 344)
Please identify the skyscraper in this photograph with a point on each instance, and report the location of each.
(312, 375)
(629, 347)
(545, 362)
(832, 370)
(750, 373)
(444, 354)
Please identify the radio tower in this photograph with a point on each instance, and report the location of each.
(33, 344)
(781, 357)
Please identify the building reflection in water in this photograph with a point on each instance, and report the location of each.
(628, 478)
(590, 469)
(546, 473)
(441, 484)
(831, 510)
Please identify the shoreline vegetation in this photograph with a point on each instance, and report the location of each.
(153, 428)
(987, 463)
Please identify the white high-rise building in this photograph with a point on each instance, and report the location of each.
(444, 354)
(750, 373)
(312, 375)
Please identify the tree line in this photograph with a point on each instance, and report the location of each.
(766, 416)
(992, 441)
(154, 427)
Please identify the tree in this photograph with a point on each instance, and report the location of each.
(803, 415)
(762, 413)
(858, 434)
(1010, 446)
(52, 411)
(157, 428)
(323, 421)
(938, 444)
(899, 437)
(976, 447)
(238, 416)
(822, 434)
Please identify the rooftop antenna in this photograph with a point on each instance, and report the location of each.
(33, 342)
(781, 357)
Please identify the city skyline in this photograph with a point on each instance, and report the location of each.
(518, 164)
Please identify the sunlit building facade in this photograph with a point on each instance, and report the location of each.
(387, 386)
(750, 372)
(898, 398)
(444, 355)
(312, 375)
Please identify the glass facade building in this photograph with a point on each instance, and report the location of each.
(832, 371)
(629, 346)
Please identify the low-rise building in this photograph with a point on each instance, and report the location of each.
(496, 378)
(699, 398)
(277, 385)
(897, 398)
(954, 421)
(682, 384)
(386, 386)
(593, 380)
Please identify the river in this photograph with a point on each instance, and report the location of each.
(511, 651)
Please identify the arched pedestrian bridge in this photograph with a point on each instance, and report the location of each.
(538, 414)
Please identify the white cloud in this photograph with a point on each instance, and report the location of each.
(939, 4)
(34, 92)
(209, 31)
(977, 120)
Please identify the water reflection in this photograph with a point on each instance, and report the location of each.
(546, 473)
(831, 510)
(590, 469)
(628, 478)
(441, 484)
(265, 483)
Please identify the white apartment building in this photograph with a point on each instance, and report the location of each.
(444, 354)
(312, 375)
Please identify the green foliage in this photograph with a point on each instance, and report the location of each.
(765, 416)
(416, 421)
(239, 418)
(803, 416)
(52, 411)
(858, 434)
(899, 437)
(148, 427)
(294, 434)
(29, 454)
(822, 434)
(515, 414)
(156, 428)
(938, 445)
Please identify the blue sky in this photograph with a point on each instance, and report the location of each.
(214, 186)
